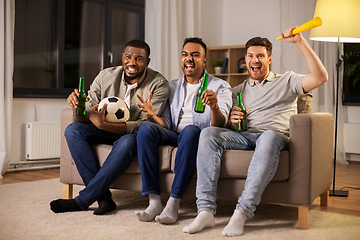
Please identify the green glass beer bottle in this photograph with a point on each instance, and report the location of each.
(80, 110)
(199, 106)
(241, 126)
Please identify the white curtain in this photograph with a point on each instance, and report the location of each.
(167, 24)
(295, 13)
(7, 26)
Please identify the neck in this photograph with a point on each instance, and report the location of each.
(194, 79)
(263, 78)
(131, 81)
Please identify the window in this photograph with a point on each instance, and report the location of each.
(351, 89)
(57, 41)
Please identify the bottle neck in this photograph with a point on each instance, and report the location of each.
(81, 84)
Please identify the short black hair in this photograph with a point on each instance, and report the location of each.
(139, 44)
(195, 40)
(259, 41)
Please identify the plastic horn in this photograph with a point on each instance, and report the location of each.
(306, 26)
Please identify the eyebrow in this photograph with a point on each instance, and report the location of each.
(190, 52)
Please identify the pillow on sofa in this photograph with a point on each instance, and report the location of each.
(304, 103)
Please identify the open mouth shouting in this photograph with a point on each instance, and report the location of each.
(255, 69)
(189, 66)
(131, 71)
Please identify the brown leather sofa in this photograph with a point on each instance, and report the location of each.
(304, 172)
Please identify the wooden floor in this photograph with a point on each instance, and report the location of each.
(346, 176)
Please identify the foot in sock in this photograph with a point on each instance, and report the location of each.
(236, 225)
(170, 214)
(105, 206)
(204, 219)
(64, 205)
(154, 209)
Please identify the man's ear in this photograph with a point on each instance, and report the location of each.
(270, 59)
(205, 59)
(148, 61)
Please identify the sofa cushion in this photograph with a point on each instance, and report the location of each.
(235, 164)
(102, 151)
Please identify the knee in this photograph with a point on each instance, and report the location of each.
(272, 136)
(209, 133)
(126, 142)
(191, 130)
(72, 129)
(273, 140)
(146, 128)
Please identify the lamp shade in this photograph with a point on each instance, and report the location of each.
(341, 21)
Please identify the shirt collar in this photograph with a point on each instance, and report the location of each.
(201, 79)
(269, 78)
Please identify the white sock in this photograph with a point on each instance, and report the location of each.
(204, 219)
(236, 225)
(152, 210)
(170, 214)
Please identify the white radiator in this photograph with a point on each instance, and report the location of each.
(42, 140)
(351, 137)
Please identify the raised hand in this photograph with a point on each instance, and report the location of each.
(209, 98)
(146, 107)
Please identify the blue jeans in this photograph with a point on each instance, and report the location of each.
(149, 137)
(263, 166)
(80, 137)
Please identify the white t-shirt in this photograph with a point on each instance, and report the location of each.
(185, 117)
(127, 94)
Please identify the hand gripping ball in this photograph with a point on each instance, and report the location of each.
(116, 111)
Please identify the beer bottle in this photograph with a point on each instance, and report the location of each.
(241, 126)
(199, 106)
(80, 110)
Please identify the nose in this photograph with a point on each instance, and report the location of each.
(132, 61)
(189, 58)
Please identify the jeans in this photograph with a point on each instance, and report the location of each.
(263, 166)
(149, 137)
(80, 137)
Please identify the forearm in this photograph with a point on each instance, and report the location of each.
(118, 128)
(159, 120)
(217, 118)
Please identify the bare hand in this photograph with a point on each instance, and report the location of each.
(73, 99)
(209, 98)
(98, 117)
(289, 37)
(146, 107)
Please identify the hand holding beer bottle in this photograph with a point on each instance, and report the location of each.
(80, 110)
(199, 105)
(241, 126)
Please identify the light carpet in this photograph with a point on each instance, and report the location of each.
(25, 214)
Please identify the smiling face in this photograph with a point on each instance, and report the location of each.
(193, 61)
(258, 62)
(134, 62)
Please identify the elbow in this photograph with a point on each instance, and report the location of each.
(323, 78)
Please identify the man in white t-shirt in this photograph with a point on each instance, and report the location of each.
(179, 126)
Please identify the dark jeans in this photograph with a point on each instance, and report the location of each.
(149, 137)
(80, 137)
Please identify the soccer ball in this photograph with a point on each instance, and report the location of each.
(116, 111)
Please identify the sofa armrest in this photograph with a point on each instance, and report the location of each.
(66, 117)
(311, 156)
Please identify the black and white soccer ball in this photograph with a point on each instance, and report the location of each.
(116, 111)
